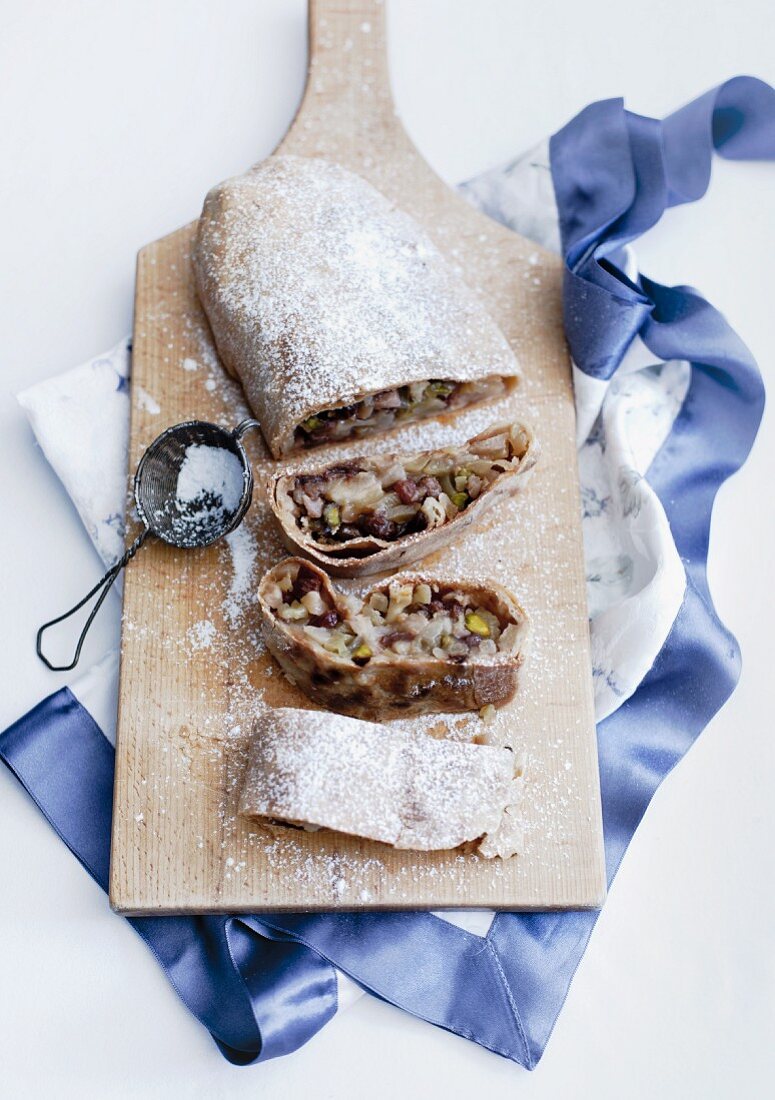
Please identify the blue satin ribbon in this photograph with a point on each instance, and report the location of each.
(264, 984)
(615, 173)
(258, 994)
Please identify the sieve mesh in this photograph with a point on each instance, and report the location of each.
(198, 523)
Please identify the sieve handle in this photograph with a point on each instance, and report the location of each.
(245, 426)
(105, 584)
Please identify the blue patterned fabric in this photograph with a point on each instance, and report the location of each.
(263, 985)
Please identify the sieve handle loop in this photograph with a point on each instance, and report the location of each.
(105, 584)
(245, 426)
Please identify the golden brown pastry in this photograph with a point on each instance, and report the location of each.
(318, 770)
(335, 309)
(413, 645)
(369, 515)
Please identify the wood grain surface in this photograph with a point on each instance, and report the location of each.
(193, 670)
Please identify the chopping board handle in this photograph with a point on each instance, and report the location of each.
(347, 97)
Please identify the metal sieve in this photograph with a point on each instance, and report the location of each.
(196, 524)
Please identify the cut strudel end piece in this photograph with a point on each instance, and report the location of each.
(411, 645)
(318, 770)
(336, 311)
(370, 515)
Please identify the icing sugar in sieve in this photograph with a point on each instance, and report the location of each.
(192, 486)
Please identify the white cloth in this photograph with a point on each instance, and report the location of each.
(81, 421)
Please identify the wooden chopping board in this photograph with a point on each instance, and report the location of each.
(193, 670)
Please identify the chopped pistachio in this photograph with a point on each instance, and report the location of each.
(362, 653)
(440, 389)
(332, 516)
(476, 624)
(311, 423)
(491, 620)
(459, 500)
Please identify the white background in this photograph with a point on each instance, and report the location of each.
(116, 117)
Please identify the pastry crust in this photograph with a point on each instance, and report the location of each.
(323, 296)
(401, 787)
(506, 452)
(437, 645)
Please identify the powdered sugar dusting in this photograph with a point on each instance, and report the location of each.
(319, 290)
(210, 472)
(242, 547)
(146, 401)
(202, 634)
(399, 786)
(209, 489)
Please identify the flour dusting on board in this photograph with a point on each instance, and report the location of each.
(146, 401)
(202, 634)
(242, 547)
